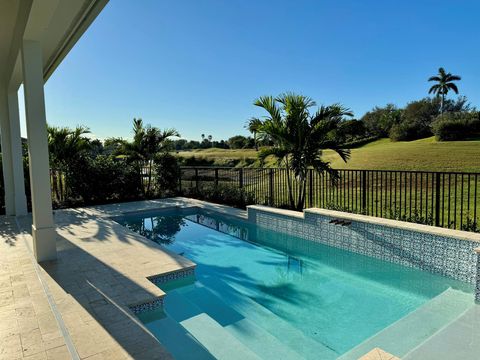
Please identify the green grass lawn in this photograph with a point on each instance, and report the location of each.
(426, 154)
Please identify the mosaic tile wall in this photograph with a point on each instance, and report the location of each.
(442, 255)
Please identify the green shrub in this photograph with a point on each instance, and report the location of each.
(227, 194)
(167, 174)
(102, 179)
(406, 131)
(456, 126)
(416, 120)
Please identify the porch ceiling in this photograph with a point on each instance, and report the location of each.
(56, 24)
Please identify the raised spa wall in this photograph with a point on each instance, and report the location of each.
(447, 252)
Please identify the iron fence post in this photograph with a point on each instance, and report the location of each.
(240, 178)
(196, 180)
(310, 187)
(216, 177)
(364, 190)
(437, 199)
(180, 181)
(270, 188)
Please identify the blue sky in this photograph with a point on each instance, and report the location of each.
(197, 65)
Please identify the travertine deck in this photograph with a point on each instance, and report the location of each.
(77, 306)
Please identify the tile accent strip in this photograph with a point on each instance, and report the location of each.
(444, 255)
(175, 275)
(147, 306)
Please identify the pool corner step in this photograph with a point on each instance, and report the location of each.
(307, 347)
(252, 335)
(217, 340)
(414, 328)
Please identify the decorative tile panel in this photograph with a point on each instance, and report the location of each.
(447, 256)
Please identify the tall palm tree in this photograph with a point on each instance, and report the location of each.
(299, 137)
(147, 142)
(444, 83)
(253, 125)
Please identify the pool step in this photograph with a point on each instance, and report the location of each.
(179, 342)
(459, 340)
(257, 314)
(218, 341)
(413, 329)
(250, 334)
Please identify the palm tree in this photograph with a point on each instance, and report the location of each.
(299, 138)
(147, 142)
(210, 137)
(445, 83)
(65, 146)
(253, 125)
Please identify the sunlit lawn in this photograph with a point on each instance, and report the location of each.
(426, 154)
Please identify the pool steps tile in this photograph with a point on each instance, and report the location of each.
(219, 342)
(270, 322)
(463, 332)
(177, 339)
(413, 329)
(249, 333)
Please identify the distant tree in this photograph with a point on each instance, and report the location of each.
(299, 137)
(461, 104)
(210, 137)
(380, 120)
(237, 142)
(96, 147)
(416, 120)
(351, 130)
(444, 83)
(252, 126)
(113, 145)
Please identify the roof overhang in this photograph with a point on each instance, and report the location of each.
(56, 24)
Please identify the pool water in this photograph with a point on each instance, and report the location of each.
(262, 294)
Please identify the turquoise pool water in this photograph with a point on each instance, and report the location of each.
(262, 294)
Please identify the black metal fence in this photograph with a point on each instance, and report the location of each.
(446, 199)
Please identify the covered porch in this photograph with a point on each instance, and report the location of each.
(68, 280)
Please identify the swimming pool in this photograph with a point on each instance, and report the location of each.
(258, 293)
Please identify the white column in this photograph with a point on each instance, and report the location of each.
(6, 153)
(43, 231)
(20, 199)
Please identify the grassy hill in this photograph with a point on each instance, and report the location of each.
(424, 154)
